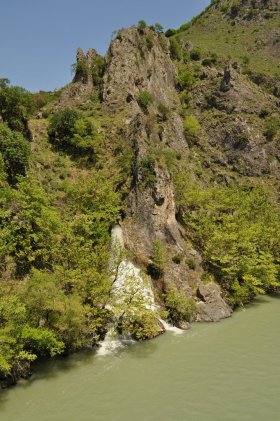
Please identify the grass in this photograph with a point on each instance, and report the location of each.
(212, 32)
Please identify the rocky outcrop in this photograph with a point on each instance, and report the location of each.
(136, 62)
(231, 109)
(211, 306)
(82, 85)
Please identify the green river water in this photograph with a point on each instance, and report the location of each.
(228, 371)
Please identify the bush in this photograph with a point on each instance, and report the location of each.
(146, 166)
(191, 126)
(191, 263)
(237, 230)
(149, 41)
(145, 99)
(81, 70)
(15, 151)
(177, 258)
(158, 258)
(61, 127)
(178, 306)
(158, 28)
(16, 105)
(195, 54)
(85, 136)
(224, 8)
(185, 79)
(163, 111)
(170, 32)
(176, 51)
(98, 70)
(235, 7)
(272, 124)
(142, 25)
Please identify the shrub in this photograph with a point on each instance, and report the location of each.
(147, 165)
(141, 26)
(195, 54)
(158, 28)
(80, 69)
(149, 41)
(170, 32)
(178, 258)
(191, 126)
(85, 136)
(224, 7)
(235, 7)
(246, 60)
(16, 105)
(98, 70)
(163, 111)
(145, 99)
(179, 307)
(158, 258)
(15, 151)
(191, 263)
(61, 127)
(185, 79)
(272, 125)
(176, 51)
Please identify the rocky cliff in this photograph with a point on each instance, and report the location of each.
(141, 94)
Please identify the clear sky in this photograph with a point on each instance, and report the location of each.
(39, 38)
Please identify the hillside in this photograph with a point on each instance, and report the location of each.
(245, 31)
(145, 189)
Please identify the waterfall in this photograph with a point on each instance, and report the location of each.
(127, 281)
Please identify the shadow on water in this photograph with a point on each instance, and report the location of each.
(49, 369)
(259, 300)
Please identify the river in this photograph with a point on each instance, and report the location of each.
(227, 371)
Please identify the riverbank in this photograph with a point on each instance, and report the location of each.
(214, 372)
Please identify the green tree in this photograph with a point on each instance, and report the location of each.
(176, 50)
(158, 28)
(16, 105)
(191, 126)
(29, 226)
(15, 151)
(145, 99)
(61, 127)
(179, 307)
(237, 230)
(158, 259)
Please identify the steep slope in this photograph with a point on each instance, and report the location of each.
(246, 31)
(169, 143)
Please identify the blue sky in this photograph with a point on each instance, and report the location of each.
(39, 38)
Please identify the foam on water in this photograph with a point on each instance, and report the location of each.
(169, 328)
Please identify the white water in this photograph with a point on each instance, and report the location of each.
(168, 327)
(128, 278)
(128, 281)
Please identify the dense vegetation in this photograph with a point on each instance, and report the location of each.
(237, 230)
(64, 182)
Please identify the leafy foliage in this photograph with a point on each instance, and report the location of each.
(158, 259)
(145, 99)
(237, 230)
(16, 105)
(61, 127)
(179, 307)
(15, 151)
(191, 126)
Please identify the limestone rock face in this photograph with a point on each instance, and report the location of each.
(134, 66)
(151, 210)
(211, 306)
(82, 85)
(236, 141)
